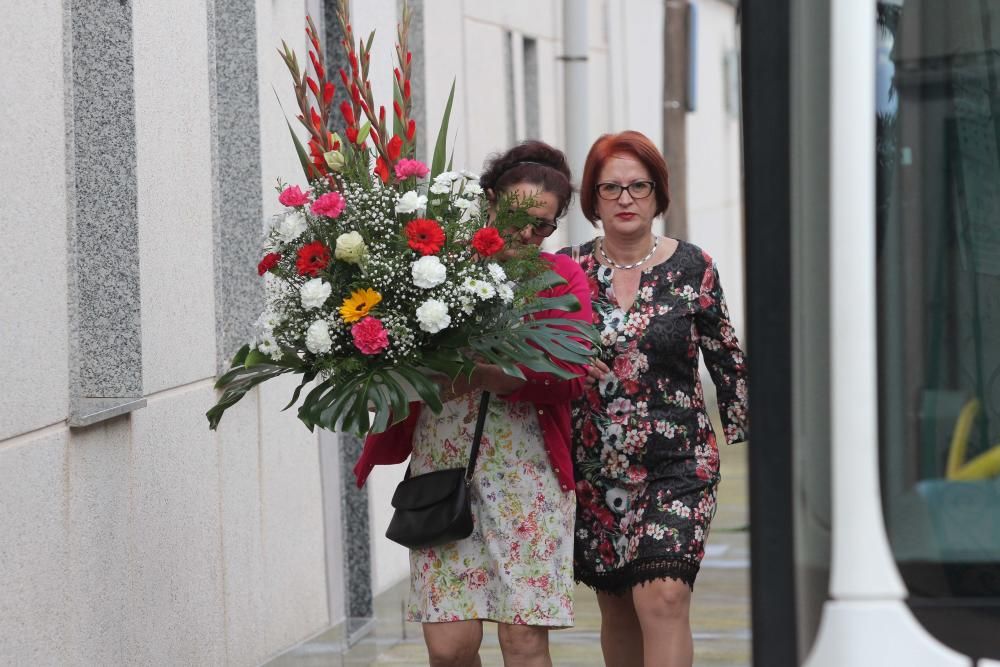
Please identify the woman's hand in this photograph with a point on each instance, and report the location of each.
(492, 379)
(595, 372)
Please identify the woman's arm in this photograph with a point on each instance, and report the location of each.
(723, 356)
(542, 387)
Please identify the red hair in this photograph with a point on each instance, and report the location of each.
(631, 143)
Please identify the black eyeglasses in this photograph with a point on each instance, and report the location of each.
(636, 190)
(544, 227)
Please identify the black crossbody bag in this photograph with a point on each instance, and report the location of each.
(436, 508)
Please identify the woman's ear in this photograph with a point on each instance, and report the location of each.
(490, 195)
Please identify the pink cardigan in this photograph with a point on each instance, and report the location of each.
(550, 395)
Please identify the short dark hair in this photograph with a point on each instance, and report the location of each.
(632, 143)
(534, 162)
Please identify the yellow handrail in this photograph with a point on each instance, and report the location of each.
(985, 465)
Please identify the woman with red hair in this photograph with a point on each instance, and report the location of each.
(644, 450)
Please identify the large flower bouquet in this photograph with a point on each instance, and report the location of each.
(382, 273)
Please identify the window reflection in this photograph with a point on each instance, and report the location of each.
(938, 244)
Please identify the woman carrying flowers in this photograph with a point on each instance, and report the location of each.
(647, 464)
(516, 568)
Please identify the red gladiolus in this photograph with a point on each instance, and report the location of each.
(355, 93)
(343, 77)
(269, 262)
(381, 114)
(313, 258)
(354, 63)
(374, 135)
(397, 109)
(395, 71)
(312, 86)
(328, 91)
(406, 89)
(381, 169)
(316, 120)
(409, 57)
(352, 134)
(411, 130)
(320, 72)
(425, 236)
(395, 148)
(487, 241)
(347, 112)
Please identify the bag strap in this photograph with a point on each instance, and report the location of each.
(478, 437)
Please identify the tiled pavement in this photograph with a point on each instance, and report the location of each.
(720, 613)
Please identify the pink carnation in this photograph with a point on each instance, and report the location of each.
(331, 205)
(407, 168)
(370, 336)
(293, 196)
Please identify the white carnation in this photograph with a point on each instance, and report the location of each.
(497, 272)
(410, 202)
(314, 293)
(318, 337)
(441, 188)
(428, 272)
(433, 315)
(291, 226)
(473, 188)
(461, 204)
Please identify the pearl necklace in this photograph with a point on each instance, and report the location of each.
(623, 267)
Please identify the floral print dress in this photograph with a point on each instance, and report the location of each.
(517, 566)
(644, 451)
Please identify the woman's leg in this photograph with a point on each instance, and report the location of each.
(663, 607)
(621, 634)
(524, 645)
(453, 644)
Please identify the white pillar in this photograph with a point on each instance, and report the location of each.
(576, 106)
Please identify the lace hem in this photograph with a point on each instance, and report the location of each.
(636, 573)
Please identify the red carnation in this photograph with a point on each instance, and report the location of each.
(487, 241)
(269, 262)
(425, 236)
(293, 196)
(313, 258)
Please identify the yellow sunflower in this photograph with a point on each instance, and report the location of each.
(359, 303)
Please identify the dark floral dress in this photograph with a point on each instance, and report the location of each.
(644, 450)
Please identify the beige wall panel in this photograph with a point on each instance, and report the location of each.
(174, 176)
(292, 520)
(33, 328)
(175, 553)
(247, 614)
(99, 459)
(33, 551)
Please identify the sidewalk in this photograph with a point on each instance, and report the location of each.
(720, 609)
